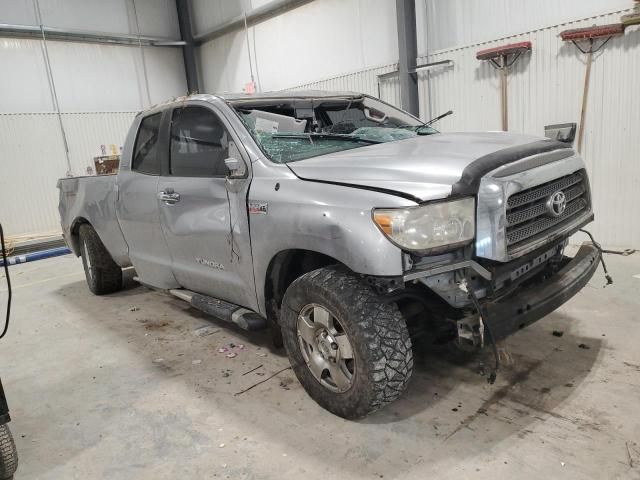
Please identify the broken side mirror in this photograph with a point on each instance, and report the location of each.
(562, 132)
(374, 115)
(235, 167)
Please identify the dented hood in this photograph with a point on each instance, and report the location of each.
(424, 167)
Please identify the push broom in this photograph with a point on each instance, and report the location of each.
(503, 58)
(589, 41)
(632, 18)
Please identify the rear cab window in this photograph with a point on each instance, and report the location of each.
(146, 158)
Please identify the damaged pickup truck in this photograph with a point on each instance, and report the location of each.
(347, 226)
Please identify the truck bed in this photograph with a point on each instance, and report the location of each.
(92, 200)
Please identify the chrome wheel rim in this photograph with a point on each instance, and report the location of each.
(326, 348)
(87, 259)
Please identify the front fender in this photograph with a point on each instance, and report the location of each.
(329, 219)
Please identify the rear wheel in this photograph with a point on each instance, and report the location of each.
(8, 453)
(102, 273)
(350, 350)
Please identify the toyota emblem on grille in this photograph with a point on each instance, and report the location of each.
(557, 203)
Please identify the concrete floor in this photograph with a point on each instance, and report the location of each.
(126, 386)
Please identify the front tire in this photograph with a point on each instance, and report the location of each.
(102, 273)
(350, 350)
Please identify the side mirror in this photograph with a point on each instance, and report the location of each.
(562, 132)
(236, 168)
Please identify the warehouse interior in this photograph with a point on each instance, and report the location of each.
(139, 384)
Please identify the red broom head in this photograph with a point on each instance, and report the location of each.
(593, 32)
(490, 53)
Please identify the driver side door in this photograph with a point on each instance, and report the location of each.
(203, 213)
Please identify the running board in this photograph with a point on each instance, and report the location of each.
(229, 312)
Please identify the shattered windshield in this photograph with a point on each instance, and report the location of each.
(294, 129)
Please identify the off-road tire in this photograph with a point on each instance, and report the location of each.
(8, 454)
(377, 332)
(102, 273)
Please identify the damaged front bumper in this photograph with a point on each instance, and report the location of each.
(527, 305)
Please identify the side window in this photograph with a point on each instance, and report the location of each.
(199, 143)
(145, 152)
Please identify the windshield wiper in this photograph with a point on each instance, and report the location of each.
(438, 118)
(328, 136)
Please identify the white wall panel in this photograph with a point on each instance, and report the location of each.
(23, 80)
(88, 76)
(32, 159)
(322, 38)
(155, 17)
(112, 77)
(209, 14)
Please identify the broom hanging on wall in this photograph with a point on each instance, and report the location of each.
(589, 41)
(503, 58)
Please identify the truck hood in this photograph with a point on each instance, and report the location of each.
(425, 167)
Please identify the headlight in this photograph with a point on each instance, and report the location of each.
(430, 226)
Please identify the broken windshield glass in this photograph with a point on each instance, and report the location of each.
(299, 128)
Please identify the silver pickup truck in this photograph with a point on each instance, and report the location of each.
(347, 226)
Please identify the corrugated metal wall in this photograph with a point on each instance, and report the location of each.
(545, 87)
(365, 81)
(33, 158)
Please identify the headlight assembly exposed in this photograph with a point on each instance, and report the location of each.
(431, 226)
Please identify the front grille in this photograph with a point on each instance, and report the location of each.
(527, 213)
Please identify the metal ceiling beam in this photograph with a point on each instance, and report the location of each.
(258, 15)
(189, 49)
(52, 33)
(408, 50)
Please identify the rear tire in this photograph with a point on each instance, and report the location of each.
(102, 273)
(353, 376)
(8, 454)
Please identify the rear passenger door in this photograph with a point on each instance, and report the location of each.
(204, 214)
(137, 205)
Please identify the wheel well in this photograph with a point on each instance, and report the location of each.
(283, 269)
(75, 233)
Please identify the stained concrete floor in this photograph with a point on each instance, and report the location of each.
(132, 386)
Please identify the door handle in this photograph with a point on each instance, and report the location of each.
(170, 198)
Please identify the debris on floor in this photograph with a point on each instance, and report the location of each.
(134, 309)
(196, 362)
(285, 382)
(584, 346)
(205, 331)
(557, 333)
(262, 381)
(231, 350)
(252, 370)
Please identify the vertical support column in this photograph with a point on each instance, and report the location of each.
(189, 49)
(408, 50)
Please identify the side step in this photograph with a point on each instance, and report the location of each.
(229, 312)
